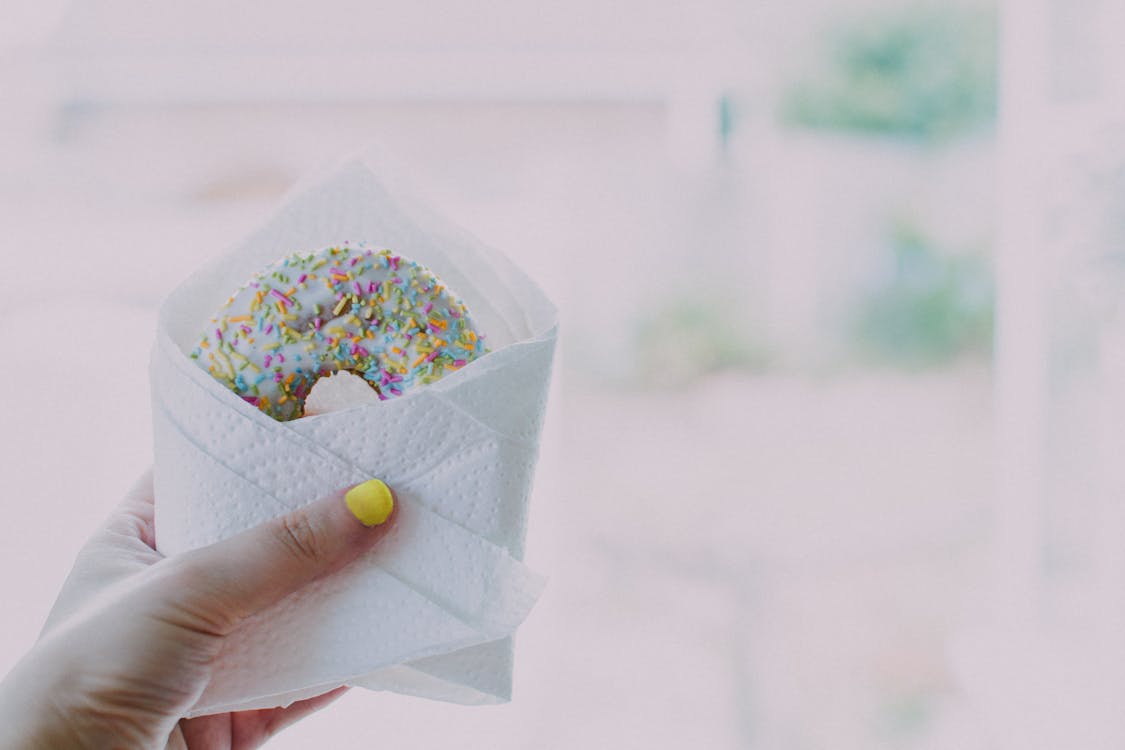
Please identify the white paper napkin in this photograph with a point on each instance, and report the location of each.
(431, 610)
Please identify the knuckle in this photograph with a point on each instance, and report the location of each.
(302, 537)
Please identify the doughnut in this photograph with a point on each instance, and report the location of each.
(371, 313)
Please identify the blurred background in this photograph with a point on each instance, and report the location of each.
(834, 452)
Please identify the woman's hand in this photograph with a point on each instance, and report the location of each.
(129, 645)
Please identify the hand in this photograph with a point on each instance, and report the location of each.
(128, 647)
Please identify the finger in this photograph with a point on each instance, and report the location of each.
(204, 733)
(280, 718)
(244, 730)
(231, 580)
(122, 546)
(133, 517)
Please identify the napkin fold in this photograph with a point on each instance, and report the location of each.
(431, 610)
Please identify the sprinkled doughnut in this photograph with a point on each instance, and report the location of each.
(378, 315)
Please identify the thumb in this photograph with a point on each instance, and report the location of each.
(228, 581)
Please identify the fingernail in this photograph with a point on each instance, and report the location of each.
(370, 502)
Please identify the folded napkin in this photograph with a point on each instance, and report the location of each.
(431, 609)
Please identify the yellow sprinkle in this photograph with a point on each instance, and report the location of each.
(318, 264)
(339, 306)
(418, 361)
(282, 399)
(239, 318)
(245, 361)
(280, 308)
(205, 344)
(226, 361)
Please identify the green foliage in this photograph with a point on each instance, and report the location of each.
(925, 73)
(926, 308)
(686, 338)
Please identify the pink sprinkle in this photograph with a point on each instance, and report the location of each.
(394, 261)
(362, 352)
(381, 396)
(277, 377)
(251, 399)
(454, 313)
(280, 357)
(429, 306)
(218, 334)
(459, 362)
(284, 300)
(396, 378)
(269, 358)
(371, 287)
(433, 355)
(269, 328)
(358, 288)
(317, 323)
(339, 271)
(302, 279)
(397, 280)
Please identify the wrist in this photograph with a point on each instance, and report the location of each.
(28, 718)
(41, 705)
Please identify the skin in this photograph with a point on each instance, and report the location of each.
(128, 647)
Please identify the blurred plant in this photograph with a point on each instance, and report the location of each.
(926, 73)
(686, 338)
(926, 307)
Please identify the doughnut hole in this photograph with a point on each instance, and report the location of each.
(339, 391)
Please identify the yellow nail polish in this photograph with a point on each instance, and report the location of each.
(370, 502)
